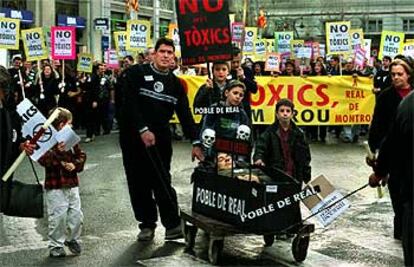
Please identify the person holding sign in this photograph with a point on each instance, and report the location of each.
(151, 95)
(10, 135)
(47, 90)
(212, 91)
(384, 114)
(62, 192)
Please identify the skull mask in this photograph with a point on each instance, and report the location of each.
(243, 132)
(209, 137)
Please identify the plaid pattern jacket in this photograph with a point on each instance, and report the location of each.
(56, 175)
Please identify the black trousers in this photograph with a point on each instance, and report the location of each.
(91, 121)
(394, 188)
(147, 190)
(407, 233)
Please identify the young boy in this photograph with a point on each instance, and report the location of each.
(283, 145)
(62, 192)
(212, 91)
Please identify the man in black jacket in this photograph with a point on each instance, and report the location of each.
(382, 80)
(396, 159)
(151, 95)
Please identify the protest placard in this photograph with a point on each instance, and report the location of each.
(272, 62)
(138, 32)
(34, 44)
(63, 42)
(250, 36)
(173, 33)
(204, 30)
(357, 38)
(392, 44)
(9, 33)
(237, 30)
(85, 62)
(282, 42)
(338, 39)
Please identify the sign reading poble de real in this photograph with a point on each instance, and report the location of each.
(63, 42)
(34, 44)
(138, 32)
(9, 33)
(85, 62)
(338, 38)
(204, 29)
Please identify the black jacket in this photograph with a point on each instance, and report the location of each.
(150, 98)
(384, 114)
(382, 79)
(396, 152)
(206, 97)
(269, 150)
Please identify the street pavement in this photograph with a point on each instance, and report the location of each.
(360, 237)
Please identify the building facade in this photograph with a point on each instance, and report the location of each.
(306, 18)
(84, 14)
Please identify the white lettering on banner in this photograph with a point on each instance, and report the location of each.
(236, 206)
(327, 216)
(216, 110)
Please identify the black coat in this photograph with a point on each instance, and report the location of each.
(10, 138)
(269, 150)
(396, 152)
(384, 114)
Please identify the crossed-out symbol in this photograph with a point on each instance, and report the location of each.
(46, 136)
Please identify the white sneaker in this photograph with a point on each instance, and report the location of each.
(88, 140)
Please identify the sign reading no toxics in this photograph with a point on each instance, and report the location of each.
(138, 32)
(338, 39)
(9, 33)
(272, 62)
(63, 43)
(34, 44)
(392, 44)
(250, 36)
(120, 39)
(85, 62)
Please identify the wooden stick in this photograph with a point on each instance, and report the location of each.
(35, 138)
(21, 84)
(371, 156)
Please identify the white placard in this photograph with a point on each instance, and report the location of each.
(68, 137)
(329, 215)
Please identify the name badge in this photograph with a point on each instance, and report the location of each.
(148, 78)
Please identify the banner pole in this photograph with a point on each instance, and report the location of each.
(39, 67)
(34, 140)
(21, 84)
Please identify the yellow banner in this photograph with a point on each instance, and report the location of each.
(337, 100)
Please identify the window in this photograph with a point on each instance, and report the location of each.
(408, 25)
(373, 26)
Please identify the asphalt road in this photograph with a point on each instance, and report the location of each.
(360, 237)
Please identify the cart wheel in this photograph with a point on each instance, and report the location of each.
(190, 233)
(215, 250)
(269, 239)
(300, 246)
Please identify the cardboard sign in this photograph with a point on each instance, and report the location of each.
(68, 137)
(120, 39)
(85, 62)
(270, 45)
(204, 31)
(63, 42)
(138, 32)
(32, 121)
(9, 33)
(272, 62)
(260, 47)
(392, 44)
(409, 49)
(338, 38)
(357, 39)
(315, 50)
(282, 41)
(359, 58)
(173, 33)
(111, 59)
(367, 48)
(34, 44)
(237, 30)
(327, 195)
(297, 48)
(48, 39)
(250, 37)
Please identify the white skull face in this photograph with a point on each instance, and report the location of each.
(243, 132)
(209, 137)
